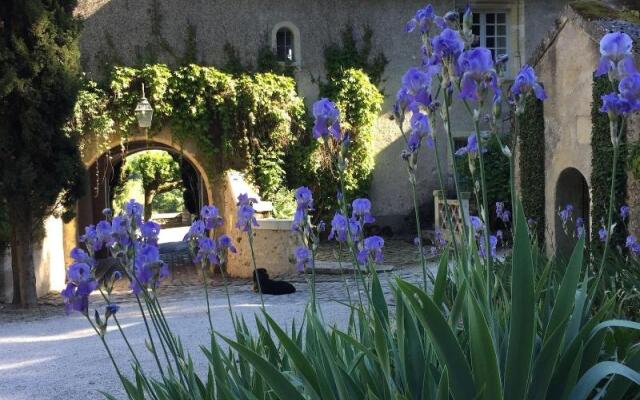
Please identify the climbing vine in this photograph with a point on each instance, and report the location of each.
(531, 162)
(349, 54)
(497, 174)
(249, 122)
(360, 103)
(601, 156)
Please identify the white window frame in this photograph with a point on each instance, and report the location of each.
(297, 54)
(483, 28)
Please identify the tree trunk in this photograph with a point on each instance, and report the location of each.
(148, 198)
(24, 263)
(15, 270)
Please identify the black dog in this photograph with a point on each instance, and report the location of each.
(270, 286)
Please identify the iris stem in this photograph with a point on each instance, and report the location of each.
(206, 294)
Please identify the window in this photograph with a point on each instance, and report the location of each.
(490, 28)
(285, 42)
(284, 45)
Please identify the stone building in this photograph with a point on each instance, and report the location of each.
(132, 32)
(299, 30)
(565, 62)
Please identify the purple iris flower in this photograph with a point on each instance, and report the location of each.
(149, 269)
(362, 211)
(134, 211)
(339, 228)
(107, 212)
(632, 244)
(478, 74)
(372, 247)
(602, 234)
(149, 231)
(565, 213)
(304, 202)
(104, 231)
(580, 226)
(629, 88)
(224, 242)
(111, 309)
(90, 238)
(476, 223)
(420, 128)
(76, 296)
(304, 198)
(211, 217)
(116, 276)
(505, 216)
(615, 105)
(207, 250)
(81, 256)
(245, 200)
(425, 19)
(246, 218)
(526, 81)
(196, 230)
(303, 258)
(120, 226)
(471, 148)
(81, 283)
(499, 207)
(615, 53)
(79, 272)
(403, 99)
(418, 88)
(624, 212)
(327, 119)
(493, 243)
(447, 45)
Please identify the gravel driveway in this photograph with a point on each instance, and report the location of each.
(60, 357)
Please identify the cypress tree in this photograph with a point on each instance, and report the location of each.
(41, 172)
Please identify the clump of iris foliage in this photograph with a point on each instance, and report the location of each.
(477, 327)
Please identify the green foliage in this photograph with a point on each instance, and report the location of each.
(203, 101)
(158, 171)
(496, 173)
(284, 204)
(168, 202)
(533, 338)
(348, 55)
(359, 102)
(252, 122)
(601, 157)
(40, 171)
(90, 116)
(531, 162)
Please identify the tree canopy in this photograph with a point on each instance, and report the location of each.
(40, 171)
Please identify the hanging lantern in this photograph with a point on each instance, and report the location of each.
(144, 112)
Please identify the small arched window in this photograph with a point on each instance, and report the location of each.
(284, 45)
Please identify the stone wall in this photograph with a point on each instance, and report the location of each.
(48, 258)
(123, 31)
(567, 112)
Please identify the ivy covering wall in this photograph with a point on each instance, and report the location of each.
(601, 157)
(246, 122)
(360, 103)
(531, 162)
(497, 175)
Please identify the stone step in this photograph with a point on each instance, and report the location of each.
(334, 268)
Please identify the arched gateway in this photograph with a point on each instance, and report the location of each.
(273, 240)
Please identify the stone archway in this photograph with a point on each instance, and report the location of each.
(571, 188)
(95, 159)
